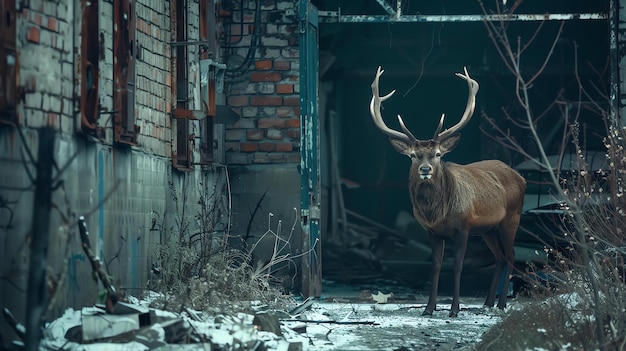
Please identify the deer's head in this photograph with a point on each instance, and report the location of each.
(425, 154)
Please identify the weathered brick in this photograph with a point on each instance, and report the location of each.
(284, 88)
(33, 34)
(52, 120)
(288, 29)
(266, 88)
(294, 134)
(290, 53)
(293, 123)
(274, 134)
(263, 65)
(271, 29)
(249, 111)
(249, 147)
(267, 147)
(53, 24)
(291, 101)
(238, 100)
(267, 111)
(265, 77)
(36, 18)
(273, 41)
(237, 30)
(284, 147)
(266, 101)
(254, 135)
(271, 53)
(284, 112)
(233, 134)
(244, 123)
(282, 65)
(34, 100)
(265, 123)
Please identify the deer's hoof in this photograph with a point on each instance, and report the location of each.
(454, 314)
(427, 312)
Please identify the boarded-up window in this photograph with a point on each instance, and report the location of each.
(124, 51)
(89, 66)
(8, 63)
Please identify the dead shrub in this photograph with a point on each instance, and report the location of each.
(199, 270)
(589, 259)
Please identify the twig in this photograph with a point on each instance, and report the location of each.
(96, 266)
(253, 213)
(331, 322)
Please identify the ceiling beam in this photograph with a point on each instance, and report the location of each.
(338, 17)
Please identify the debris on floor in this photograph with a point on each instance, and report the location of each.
(138, 327)
(312, 325)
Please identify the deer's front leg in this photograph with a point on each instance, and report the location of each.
(460, 245)
(437, 245)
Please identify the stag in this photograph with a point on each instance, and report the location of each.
(453, 201)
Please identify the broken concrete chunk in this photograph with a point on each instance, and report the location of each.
(267, 321)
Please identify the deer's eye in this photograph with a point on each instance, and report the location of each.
(437, 154)
(412, 156)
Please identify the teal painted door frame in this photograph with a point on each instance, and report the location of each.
(310, 192)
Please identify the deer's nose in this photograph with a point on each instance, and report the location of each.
(425, 169)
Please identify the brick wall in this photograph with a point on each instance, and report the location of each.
(154, 78)
(44, 32)
(267, 95)
(118, 189)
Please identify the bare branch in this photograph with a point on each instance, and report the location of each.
(548, 56)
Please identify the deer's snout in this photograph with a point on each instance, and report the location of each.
(426, 171)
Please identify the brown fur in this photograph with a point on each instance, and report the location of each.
(484, 197)
(451, 200)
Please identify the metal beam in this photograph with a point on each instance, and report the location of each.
(386, 7)
(337, 17)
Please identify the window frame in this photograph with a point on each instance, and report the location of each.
(124, 53)
(9, 64)
(90, 67)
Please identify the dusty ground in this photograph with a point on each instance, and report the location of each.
(395, 326)
(339, 322)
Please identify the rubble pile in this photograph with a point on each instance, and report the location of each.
(134, 326)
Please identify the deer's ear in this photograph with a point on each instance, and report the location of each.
(450, 143)
(400, 146)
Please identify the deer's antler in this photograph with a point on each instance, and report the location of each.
(375, 105)
(469, 109)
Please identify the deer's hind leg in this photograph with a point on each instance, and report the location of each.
(508, 231)
(501, 243)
